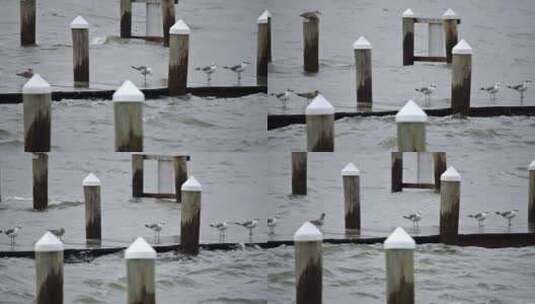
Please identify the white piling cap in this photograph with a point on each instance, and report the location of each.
(91, 180)
(399, 239)
(462, 48)
(408, 13)
(532, 166)
(79, 23)
(191, 185)
(362, 44)
(36, 85)
(180, 28)
(411, 112)
(319, 106)
(449, 14)
(350, 170)
(263, 18)
(268, 13)
(48, 242)
(128, 92)
(308, 233)
(140, 249)
(451, 175)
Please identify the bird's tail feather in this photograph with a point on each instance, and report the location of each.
(471, 215)
(406, 217)
(226, 67)
(197, 69)
(147, 225)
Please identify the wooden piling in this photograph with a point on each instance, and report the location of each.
(299, 173)
(37, 99)
(178, 58)
(27, 22)
(40, 180)
(351, 182)
(168, 18)
(126, 18)
(128, 103)
(153, 23)
(262, 49)
(137, 175)
(269, 34)
(181, 175)
(93, 222)
(363, 62)
(48, 270)
(439, 167)
(190, 218)
(399, 259)
(140, 273)
(80, 49)
(311, 45)
(397, 171)
(411, 122)
(308, 264)
(531, 196)
(461, 78)
(407, 20)
(320, 125)
(450, 192)
(450, 21)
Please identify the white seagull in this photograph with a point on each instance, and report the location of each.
(492, 90)
(415, 218)
(283, 97)
(480, 217)
(249, 225)
(238, 69)
(26, 74)
(58, 232)
(508, 215)
(156, 228)
(208, 70)
(319, 222)
(521, 88)
(427, 91)
(272, 223)
(311, 16)
(221, 227)
(144, 70)
(12, 233)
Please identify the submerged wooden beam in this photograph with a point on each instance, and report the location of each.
(430, 58)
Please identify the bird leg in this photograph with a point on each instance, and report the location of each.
(521, 98)
(145, 80)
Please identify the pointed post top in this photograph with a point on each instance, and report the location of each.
(180, 28)
(411, 112)
(362, 44)
(450, 175)
(192, 184)
(36, 85)
(91, 180)
(449, 14)
(532, 166)
(350, 170)
(408, 13)
(48, 242)
(308, 233)
(319, 106)
(263, 18)
(140, 249)
(399, 239)
(79, 23)
(462, 48)
(128, 92)
(268, 13)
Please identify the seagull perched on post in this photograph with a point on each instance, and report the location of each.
(208, 70)
(58, 232)
(508, 215)
(427, 91)
(238, 69)
(480, 217)
(311, 16)
(156, 228)
(249, 225)
(144, 70)
(221, 227)
(492, 90)
(415, 218)
(26, 74)
(12, 233)
(319, 222)
(308, 95)
(521, 88)
(283, 97)
(271, 223)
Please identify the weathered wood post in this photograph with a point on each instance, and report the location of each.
(299, 173)
(37, 99)
(311, 28)
(0, 185)
(439, 167)
(461, 78)
(140, 273)
(137, 175)
(262, 49)
(40, 180)
(181, 175)
(268, 13)
(168, 19)
(178, 58)
(531, 196)
(363, 63)
(399, 257)
(450, 195)
(27, 22)
(411, 122)
(128, 103)
(351, 182)
(126, 18)
(407, 20)
(49, 270)
(190, 218)
(153, 22)
(93, 222)
(320, 125)
(308, 264)
(80, 52)
(450, 21)
(397, 171)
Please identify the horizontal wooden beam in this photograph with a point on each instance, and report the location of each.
(158, 195)
(430, 58)
(162, 157)
(143, 1)
(431, 20)
(418, 186)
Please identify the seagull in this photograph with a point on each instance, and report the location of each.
(58, 232)
(221, 227)
(319, 222)
(26, 74)
(12, 233)
(308, 95)
(521, 88)
(492, 90)
(239, 68)
(414, 218)
(144, 70)
(271, 223)
(311, 16)
(156, 228)
(427, 91)
(208, 70)
(480, 217)
(509, 215)
(283, 97)
(250, 225)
